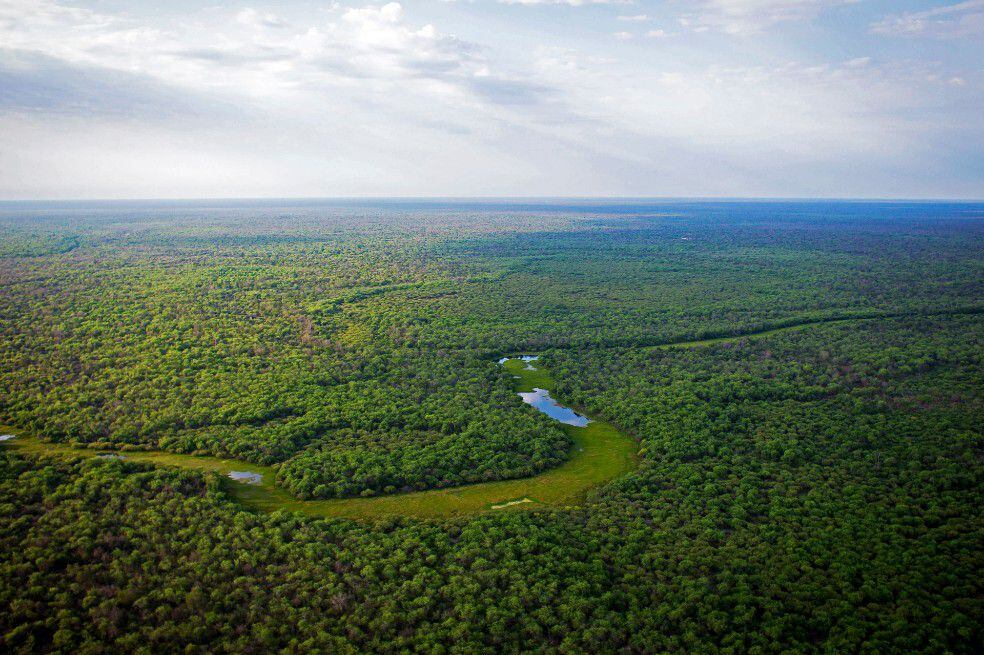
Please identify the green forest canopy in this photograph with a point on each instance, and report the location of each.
(810, 490)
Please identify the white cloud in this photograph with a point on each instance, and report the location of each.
(367, 99)
(623, 36)
(750, 16)
(262, 55)
(948, 21)
(856, 110)
(569, 3)
(362, 101)
(637, 18)
(257, 19)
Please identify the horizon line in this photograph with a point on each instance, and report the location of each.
(491, 199)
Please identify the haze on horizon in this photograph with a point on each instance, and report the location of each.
(735, 98)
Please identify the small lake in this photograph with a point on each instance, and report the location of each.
(246, 477)
(524, 358)
(540, 399)
(7, 437)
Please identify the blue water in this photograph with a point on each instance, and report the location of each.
(540, 399)
(529, 359)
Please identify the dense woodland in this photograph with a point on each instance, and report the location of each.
(816, 489)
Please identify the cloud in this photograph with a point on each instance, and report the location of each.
(569, 3)
(360, 101)
(263, 55)
(368, 99)
(637, 18)
(821, 111)
(949, 21)
(41, 85)
(257, 19)
(623, 36)
(751, 16)
(510, 92)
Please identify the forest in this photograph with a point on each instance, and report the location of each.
(815, 489)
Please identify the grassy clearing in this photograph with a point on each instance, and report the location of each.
(755, 335)
(526, 379)
(806, 324)
(600, 453)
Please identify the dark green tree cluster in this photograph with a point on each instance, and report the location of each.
(356, 462)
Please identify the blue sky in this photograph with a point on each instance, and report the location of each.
(750, 98)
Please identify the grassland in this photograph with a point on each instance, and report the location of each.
(599, 453)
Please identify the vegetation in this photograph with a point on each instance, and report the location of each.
(804, 490)
(598, 454)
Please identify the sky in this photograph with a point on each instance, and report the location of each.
(654, 98)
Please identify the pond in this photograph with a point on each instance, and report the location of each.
(524, 358)
(246, 477)
(540, 399)
(7, 437)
